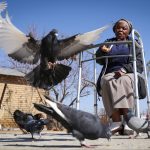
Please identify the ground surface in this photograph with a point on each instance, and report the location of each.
(15, 140)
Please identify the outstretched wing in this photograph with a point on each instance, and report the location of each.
(79, 42)
(3, 6)
(14, 42)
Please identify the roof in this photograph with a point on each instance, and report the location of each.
(12, 76)
(11, 72)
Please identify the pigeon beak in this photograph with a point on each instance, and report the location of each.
(109, 139)
(108, 133)
(56, 34)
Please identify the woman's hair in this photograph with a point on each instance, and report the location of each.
(128, 22)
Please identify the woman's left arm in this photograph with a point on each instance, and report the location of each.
(129, 67)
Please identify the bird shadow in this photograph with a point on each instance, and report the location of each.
(54, 146)
(33, 140)
(59, 134)
(138, 138)
(45, 146)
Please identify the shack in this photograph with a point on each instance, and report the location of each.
(15, 93)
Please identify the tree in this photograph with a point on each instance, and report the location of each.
(66, 91)
(148, 67)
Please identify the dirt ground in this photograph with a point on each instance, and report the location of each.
(54, 140)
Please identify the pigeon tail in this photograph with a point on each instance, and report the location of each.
(43, 108)
(53, 106)
(53, 113)
(47, 78)
(58, 73)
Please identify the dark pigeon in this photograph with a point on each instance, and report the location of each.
(30, 123)
(82, 125)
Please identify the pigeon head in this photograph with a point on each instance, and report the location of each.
(54, 32)
(18, 113)
(108, 133)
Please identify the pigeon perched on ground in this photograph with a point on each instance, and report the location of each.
(137, 124)
(26, 49)
(29, 123)
(82, 125)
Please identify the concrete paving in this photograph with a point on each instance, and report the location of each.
(51, 140)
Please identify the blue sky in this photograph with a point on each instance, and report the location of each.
(79, 16)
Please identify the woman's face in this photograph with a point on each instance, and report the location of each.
(122, 30)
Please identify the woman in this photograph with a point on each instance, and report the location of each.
(115, 83)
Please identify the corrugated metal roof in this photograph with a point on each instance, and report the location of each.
(11, 72)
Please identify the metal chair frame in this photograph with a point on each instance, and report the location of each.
(134, 35)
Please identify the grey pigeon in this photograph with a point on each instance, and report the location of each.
(44, 52)
(30, 123)
(81, 124)
(137, 124)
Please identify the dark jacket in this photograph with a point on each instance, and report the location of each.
(127, 63)
(115, 64)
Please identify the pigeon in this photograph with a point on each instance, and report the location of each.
(83, 125)
(137, 124)
(44, 53)
(29, 123)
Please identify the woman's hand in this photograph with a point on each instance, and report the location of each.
(106, 49)
(118, 74)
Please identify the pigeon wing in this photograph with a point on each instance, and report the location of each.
(84, 122)
(79, 42)
(14, 42)
(3, 6)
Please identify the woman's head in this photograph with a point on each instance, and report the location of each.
(122, 28)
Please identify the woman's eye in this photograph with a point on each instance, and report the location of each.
(122, 28)
(125, 28)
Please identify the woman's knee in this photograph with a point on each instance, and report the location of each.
(107, 78)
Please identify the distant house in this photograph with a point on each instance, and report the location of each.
(15, 93)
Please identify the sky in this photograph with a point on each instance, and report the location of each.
(78, 16)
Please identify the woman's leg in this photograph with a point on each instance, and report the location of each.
(116, 115)
(116, 125)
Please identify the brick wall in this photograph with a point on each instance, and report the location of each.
(17, 97)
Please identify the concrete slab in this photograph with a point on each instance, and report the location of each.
(61, 140)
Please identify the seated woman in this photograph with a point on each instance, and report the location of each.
(116, 81)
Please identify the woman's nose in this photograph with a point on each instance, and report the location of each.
(120, 29)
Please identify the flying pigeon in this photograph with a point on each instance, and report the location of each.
(29, 123)
(137, 124)
(81, 124)
(26, 49)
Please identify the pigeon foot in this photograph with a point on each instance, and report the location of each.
(83, 144)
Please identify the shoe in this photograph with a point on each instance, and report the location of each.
(115, 127)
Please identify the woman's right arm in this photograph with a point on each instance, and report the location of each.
(102, 51)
